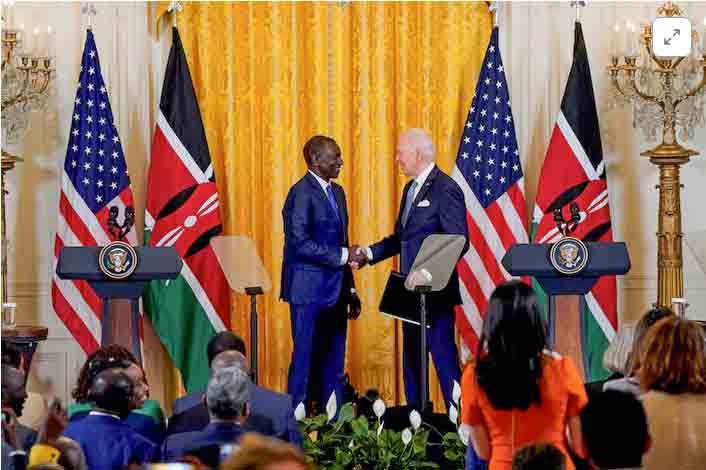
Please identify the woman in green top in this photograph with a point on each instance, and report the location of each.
(146, 417)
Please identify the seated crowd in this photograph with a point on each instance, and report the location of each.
(523, 406)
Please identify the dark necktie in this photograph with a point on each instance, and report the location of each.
(332, 201)
(408, 202)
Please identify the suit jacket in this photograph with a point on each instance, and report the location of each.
(144, 425)
(26, 437)
(109, 443)
(313, 238)
(445, 214)
(271, 414)
(217, 433)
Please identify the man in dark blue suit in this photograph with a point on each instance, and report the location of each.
(432, 203)
(227, 398)
(316, 279)
(106, 440)
(271, 413)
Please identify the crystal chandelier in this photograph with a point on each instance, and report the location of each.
(26, 75)
(654, 86)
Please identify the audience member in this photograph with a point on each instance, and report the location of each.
(107, 441)
(673, 375)
(271, 413)
(227, 398)
(541, 456)
(146, 417)
(614, 427)
(517, 392)
(615, 359)
(631, 383)
(17, 439)
(257, 452)
(35, 405)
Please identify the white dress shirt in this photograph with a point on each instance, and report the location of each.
(324, 186)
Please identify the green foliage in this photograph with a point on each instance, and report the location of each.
(353, 443)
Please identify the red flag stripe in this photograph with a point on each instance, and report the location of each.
(71, 320)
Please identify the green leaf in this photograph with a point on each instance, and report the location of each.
(360, 426)
(345, 415)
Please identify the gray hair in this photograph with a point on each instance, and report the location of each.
(230, 358)
(422, 142)
(227, 393)
(615, 357)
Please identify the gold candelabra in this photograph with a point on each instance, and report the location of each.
(665, 86)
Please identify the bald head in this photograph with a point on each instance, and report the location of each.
(112, 391)
(228, 359)
(415, 151)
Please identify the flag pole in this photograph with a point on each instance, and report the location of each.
(175, 7)
(89, 9)
(578, 5)
(493, 7)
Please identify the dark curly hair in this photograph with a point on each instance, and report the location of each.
(113, 355)
(510, 350)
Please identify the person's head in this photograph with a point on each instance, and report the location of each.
(230, 358)
(256, 452)
(539, 456)
(112, 391)
(615, 357)
(652, 316)
(414, 152)
(14, 392)
(672, 357)
(510, 348)
(11, 355)
(224, 341)
(323, 156)
(614, 428)
(227, 395)
(123, 359)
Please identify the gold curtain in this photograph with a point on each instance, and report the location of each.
(270, 75)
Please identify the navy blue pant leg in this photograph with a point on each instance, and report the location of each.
(442, 345)
(319, 336)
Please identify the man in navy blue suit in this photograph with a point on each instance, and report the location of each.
(106, 440)
(316, 279)
(431, 203)
(271, 413)
(227, 398)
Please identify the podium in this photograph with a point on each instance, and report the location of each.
(120, 320)
(565, 291)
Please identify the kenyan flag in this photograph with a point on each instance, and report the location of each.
(183, 211)
(574, 172)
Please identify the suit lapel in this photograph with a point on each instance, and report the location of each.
(319, 191)
(423, 191)
(342, 209)
(404, 198)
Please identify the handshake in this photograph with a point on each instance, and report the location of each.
(357, 256)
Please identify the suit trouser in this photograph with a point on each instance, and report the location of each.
(319, 336)
(442, 345)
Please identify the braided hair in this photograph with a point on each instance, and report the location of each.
(113, 355)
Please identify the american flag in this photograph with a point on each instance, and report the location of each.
(95, 178)
(489, 171)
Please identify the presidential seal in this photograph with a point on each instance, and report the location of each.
(569, 255)
(117, 260)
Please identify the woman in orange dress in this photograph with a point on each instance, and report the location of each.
(518, 392)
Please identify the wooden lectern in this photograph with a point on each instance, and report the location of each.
(566, 292)
(120, 320)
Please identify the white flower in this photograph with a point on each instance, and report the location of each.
(382, 424)
(379, 408)
(331, 406)
(415, 419)
(456, 393)
(300, 412)
(453, 414)
(464, 433)
(406, 436)
(350, 446)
